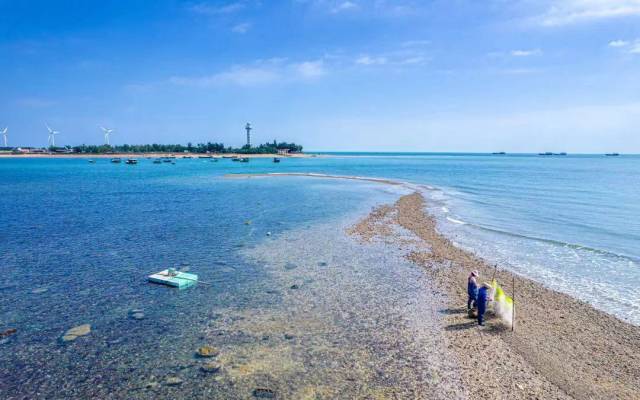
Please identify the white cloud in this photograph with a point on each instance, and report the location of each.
(210, 9)
(526, 53)
(618, 43)
(241, 28)
(344, 6)
(566, 12)
(260, 73)
(626, 46)
(309, 69)
(413, 60)
(368, 60)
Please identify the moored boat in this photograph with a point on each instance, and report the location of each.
(116, 160)
(131, 161)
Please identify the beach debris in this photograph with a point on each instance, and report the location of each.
(268, 233)
(39, 290)
(247, 222)
(74, 333)
(8, 332)
(295, 286)
(289, 336)
(264, 393)
(211, 367)
(173, 381)
(207, 351)
(174, 278)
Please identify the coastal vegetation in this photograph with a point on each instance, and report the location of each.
(209, 147)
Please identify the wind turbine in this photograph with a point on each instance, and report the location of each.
(107, 132)
(4, 133)
(52, 136)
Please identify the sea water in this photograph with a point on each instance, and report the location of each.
(293, 304)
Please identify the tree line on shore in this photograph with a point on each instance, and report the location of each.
(266, 148)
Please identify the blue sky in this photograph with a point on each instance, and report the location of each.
(404, 75)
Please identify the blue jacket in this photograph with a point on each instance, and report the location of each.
(472, 288)
(481, 301)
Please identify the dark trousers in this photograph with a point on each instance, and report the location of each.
(471, 302)
(481, 311)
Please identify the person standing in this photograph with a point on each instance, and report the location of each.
(484, 295)
(472, 289)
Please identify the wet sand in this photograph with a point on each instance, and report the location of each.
(561, 347)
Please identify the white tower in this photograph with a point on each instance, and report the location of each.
(248, 128)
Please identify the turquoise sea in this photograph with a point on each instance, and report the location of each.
(293, 304)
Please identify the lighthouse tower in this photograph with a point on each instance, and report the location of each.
(248, 128)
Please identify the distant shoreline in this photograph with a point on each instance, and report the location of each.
(154, 155)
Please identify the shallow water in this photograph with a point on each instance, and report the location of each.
(79, 239)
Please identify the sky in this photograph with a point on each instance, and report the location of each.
(332, 75)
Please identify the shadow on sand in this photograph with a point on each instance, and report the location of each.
(462, 326)
(450, 311)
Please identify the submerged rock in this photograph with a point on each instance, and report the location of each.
(8, 332)
(73, 333)
(290, 266)
(208, 351)
(137, 316)
(264, 393)
(289, 336)
(211, 367)
(152, 385)
(295, 286)
(173, 381)
(322, 264)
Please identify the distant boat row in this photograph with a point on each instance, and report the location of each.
(170, 159)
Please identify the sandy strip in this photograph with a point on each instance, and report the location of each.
(561, 347)
(313, 175)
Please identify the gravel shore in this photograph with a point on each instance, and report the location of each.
(561, 348)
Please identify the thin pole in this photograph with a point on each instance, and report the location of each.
(495, 270)
(513, 310)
